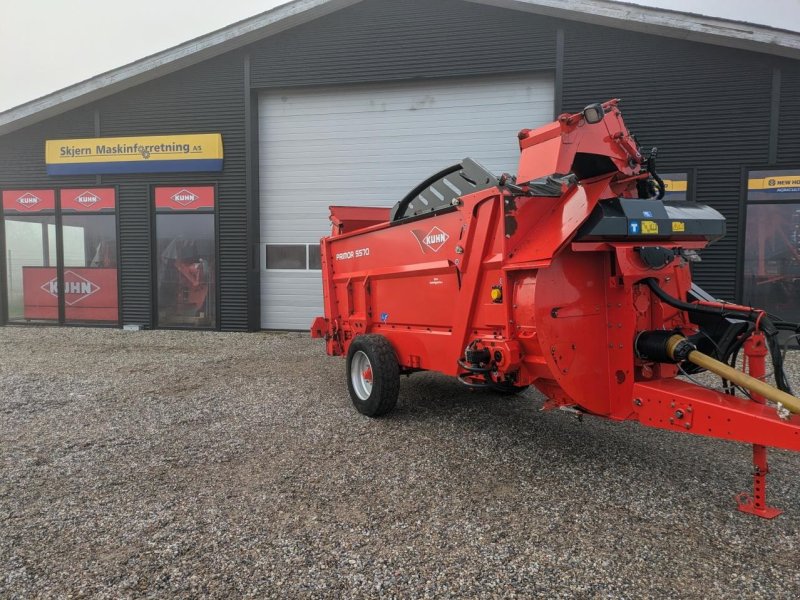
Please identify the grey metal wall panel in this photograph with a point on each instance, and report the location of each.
(381, 40)
(369, 145)
(205, 98)
(703, 106)
(290, 299)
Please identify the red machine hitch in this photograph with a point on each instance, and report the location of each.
(573, 277)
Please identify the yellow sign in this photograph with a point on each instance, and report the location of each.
(678, 227)
(773, 183)
(142, 154)
(649, 227)
(675, 185)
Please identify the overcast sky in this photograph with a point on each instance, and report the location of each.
(46, 45)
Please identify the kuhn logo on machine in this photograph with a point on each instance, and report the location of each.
(28, 200)
(433, 240)
(87, 199)
(76, 288)
(184, 197)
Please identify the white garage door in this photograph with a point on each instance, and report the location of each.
(369, 145)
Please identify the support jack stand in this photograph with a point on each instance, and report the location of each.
(757, 503)
(755, 350)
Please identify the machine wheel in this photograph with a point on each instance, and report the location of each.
(373, 375)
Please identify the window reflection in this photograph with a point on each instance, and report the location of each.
(31, 268)
(186, 260)
(772, 259)
(90, 268)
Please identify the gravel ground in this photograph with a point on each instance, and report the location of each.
(172, 464)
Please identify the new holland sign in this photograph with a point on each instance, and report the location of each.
(149, 154)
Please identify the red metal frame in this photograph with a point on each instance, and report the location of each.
(755, 351)
(570, 312)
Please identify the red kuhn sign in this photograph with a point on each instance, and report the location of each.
(28, 201)
(185, 198)
(90, 294)
(88, 200)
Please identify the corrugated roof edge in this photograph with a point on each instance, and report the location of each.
(669, 23)
(665, 22)
(168, 61)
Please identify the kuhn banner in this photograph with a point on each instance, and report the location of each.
(148, 154)
(81, 200)
(28, 201)
(89, 294)
(185, 198)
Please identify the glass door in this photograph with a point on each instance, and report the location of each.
(186, 257)
(30, 255)
(61, 256)
(89, 234)
(772, 244)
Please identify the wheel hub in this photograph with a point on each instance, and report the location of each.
(361, 375)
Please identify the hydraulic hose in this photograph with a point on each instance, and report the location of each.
(721, 311)
(744, 380)
(756, 316)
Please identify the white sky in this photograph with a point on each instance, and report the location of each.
(46, 45)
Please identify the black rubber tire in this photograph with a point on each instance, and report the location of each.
(385, 375)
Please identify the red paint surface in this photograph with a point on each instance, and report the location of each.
(570, 311)
(81, 200)
(185, 198)
(28, 201)
(90, 294)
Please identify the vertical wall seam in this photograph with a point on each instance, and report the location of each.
(97, 134)
(558, 101)
(774, 115)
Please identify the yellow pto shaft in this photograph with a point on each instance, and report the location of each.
(738, 377)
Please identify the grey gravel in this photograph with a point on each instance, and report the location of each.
(176, 464)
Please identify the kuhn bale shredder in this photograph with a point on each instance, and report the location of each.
(574, 277)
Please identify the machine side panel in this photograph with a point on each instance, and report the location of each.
(422, 283)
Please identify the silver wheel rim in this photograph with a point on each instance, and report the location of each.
(361, 375)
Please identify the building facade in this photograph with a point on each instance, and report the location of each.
(343, 102)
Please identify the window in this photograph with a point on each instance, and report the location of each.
(314, 257)
(296, 257)
(89, 238)
(30, 234)
(772, 243)
(84, 284)
(286, 256)
(185, 257)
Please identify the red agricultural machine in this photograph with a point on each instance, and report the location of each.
(574, 277)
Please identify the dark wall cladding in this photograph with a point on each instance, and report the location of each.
(403, 39)
(22, 163)
(789, 122)
(206, 98)
(22, 152)
(201, 99)
(704, 107)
